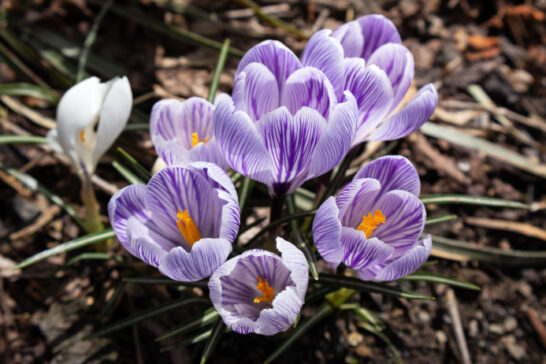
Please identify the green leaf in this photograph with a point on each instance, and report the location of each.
(90, 256)
(127, 173)
(324, 311)
(374, 287)
(145, 315)
(278, 222)
(68, 246)
(194, 339)
(205, 320)
(29, 90)
(471, 200)
(437, 278)
(370, 328)
(218, 330)
(218, 71)
(140, 171)
(438, 219)
(22, 139)
(166, 281)
(463, 251)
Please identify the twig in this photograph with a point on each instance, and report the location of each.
(453, 310)
(40, 222)
(537, 324)
(27, 112)
(518, 227)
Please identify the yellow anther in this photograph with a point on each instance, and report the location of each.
(369, 223)
(82, 136)
(267, 291)
(187, 227)
(195, 139)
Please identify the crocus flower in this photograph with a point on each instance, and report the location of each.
(90, 117)
(260, 292)
(183, 222)
(374, 223)
(286, 122)
(377, 69)
(182, 132)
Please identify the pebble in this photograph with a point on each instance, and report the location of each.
(473, 329)
(441, 337)
(510, 324)
(515, 350)
(424, 316)
(496, 329)
(363, 351)
(355, 338)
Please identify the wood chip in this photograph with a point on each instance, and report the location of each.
(518, 227)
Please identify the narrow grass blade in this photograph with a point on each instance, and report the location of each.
(375, 287)
(437, 278)
(112, 301)
(140, 171)
(137, 126)
(167, 281)
(218, 71)
(278, 222)
(324, 311)
(34, 185)
(145, 315)
(66, 247)
(438, 219)
(368, 316)
(90, 39)
(472, 200)
(90, 256)
(454, 249)
(29, 90)
(197, 338)
(22, 139)
(307, 251)
(218, 330)
(392, 348)
(489, 148)
(127, 173)
(205, 320)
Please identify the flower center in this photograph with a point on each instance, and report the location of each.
(187, 227)
(195, 139)
(268, 293)
(369, 223)
(82, 136)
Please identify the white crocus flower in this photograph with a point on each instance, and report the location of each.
(90, 116)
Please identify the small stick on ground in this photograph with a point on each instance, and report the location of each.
(453, 310)
(538, 325)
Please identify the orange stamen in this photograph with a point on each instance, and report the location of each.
(82, 136)
(187, 227)
(369, 223)
(267, 291)
(195, 139)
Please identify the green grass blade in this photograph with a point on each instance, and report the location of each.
(218, 71)
(29, 90)
(22, 139)
(167, 281)
(437, 278)
(197, 338)
(324, 311)
(90, 256)
(205, 320)
(278, 222)
(66, 247)
(438, 219)
(139, 170)
(127, 173)
(392, 348)
(145, 315)
(472, 200)
(375, 287)
(218, 330)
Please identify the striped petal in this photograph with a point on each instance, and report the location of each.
(351, 39)
(126, 203)
(282, 315)
(358, 200)
(376, 31)
(407, 263)
(394, 172)
(295, 261)
(327, 233)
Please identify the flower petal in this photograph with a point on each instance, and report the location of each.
(144, 244)
(53, 141)
(336, 140)
(309, 87)
(240, 142)
(205, 257)
(290, 141)
(405, 217)
(394, 172)
(326, 54)
(407, 263)
(295, 261)
(373, 93)
(410, 118)
(397, 61)
(327, 232)
(126, 203)
(376, 30)
(351, 39)
(356, 200)
(280, 60)
(362, 254)
(255, 91)
(279, 318)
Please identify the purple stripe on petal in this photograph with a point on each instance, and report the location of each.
(376, 30)
(144, 244)
(351, 38)
(361, 204)
(290, 140)
(207, 152)
(309, 87)
(410, 118)
(336, 140)
(327, 233)
(397, 61)
(240, 142)
(127, 203)
(255, 91)
(280, 60)
(408, 263)
(361, 254)
(205, 256)
(282, 315)
(295, 261)
(405, 217)
(326, 54)
(394, 172)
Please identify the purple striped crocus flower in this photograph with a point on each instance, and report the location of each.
(182, 222)
(286, 122)
(182, 132)
(260, 292)
(374, 224)
(377, 69)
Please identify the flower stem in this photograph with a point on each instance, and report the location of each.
(92, 221)
(277, 204)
